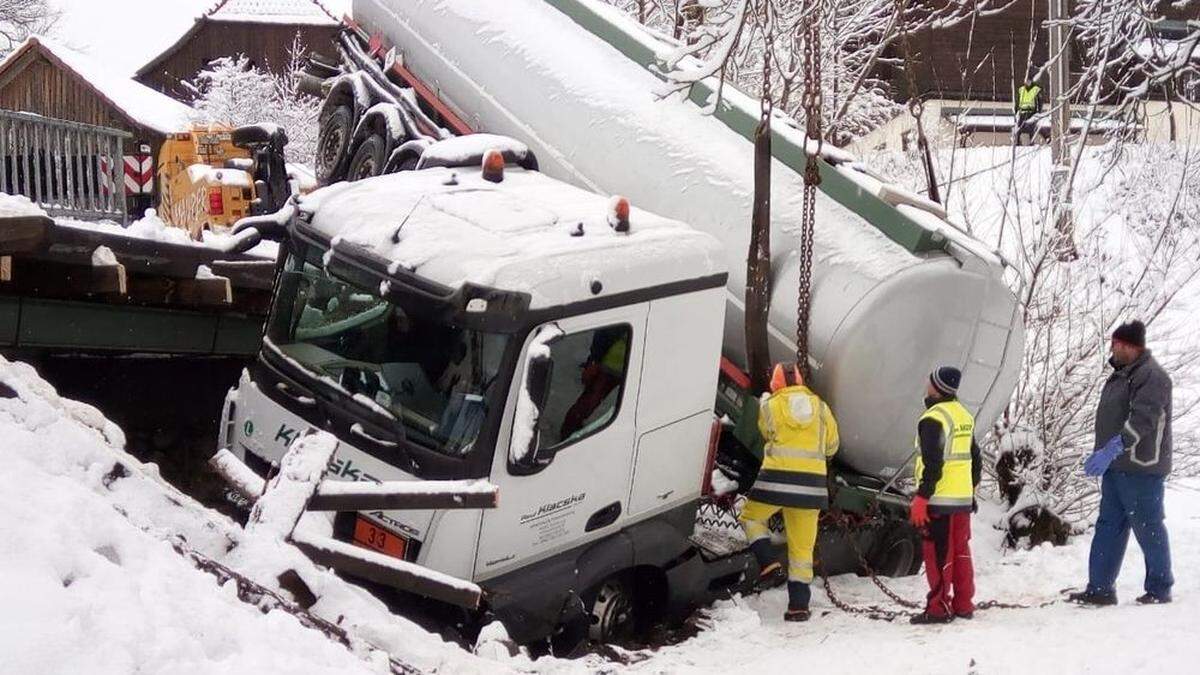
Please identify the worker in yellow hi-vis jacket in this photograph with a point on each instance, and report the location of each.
(801, 435)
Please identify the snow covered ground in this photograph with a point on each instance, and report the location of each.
(748, 634)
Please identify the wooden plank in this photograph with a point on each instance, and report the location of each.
(363, 496)
(35, 148)
(301, 469)
(22, 183)
(42, 279)
(366, 564)
(257, 274)
(6, 268)
(237, 475)
(208, 292)
(147, 257)
(4, 127)
(23, 234)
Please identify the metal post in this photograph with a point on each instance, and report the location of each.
(1060, 126)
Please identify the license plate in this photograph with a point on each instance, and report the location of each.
(369, 535)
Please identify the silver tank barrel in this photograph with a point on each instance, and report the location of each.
(882, 317)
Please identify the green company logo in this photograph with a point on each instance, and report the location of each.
(248, 428)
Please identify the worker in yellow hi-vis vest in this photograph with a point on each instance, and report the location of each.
(947, 472)
(801, 435)
(1028, 104)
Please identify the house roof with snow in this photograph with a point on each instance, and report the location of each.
(294, 12)
(261, 30)
(136, 103)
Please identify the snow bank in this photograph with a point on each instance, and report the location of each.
(16, 206)
(748, 635)
(87, 590)
(91, 583)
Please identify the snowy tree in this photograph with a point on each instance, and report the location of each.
(858, 39)
(1139, 258)
(21, 18)
(232, 91)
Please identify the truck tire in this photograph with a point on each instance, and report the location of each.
(368, 159)
(611, 608)
(332, 143)
(898, 552)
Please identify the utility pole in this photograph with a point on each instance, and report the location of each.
(1059, 70)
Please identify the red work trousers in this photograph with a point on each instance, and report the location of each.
(948, 567)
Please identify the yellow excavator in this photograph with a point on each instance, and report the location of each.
(212, 176)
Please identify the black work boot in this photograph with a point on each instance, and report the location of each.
(1152, 599)
(799, 595)
(796, 615)
(771, 572)
(1093, 598)
(769, 577)
(925, 618)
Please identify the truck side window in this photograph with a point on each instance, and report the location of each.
(587, 384)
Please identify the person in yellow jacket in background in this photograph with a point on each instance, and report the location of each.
(801, 435)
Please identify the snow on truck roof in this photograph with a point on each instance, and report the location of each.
(517, 235)
(140, 104)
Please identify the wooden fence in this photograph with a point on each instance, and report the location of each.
(67, 168)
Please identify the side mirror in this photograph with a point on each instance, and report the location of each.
(537, 387)
(537, 380)
(525, 455)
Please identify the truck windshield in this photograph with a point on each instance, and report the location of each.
(436, 378)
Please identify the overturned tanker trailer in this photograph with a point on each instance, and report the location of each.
(897, 289)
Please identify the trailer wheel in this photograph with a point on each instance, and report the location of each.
(332, 143)
(898, 553)
(368, 159)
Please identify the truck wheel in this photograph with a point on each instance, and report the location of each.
(368, 160)
(611, 611)
(898, 553)
(332, 143)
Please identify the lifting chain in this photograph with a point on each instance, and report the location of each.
(812, 175)
(916, 107)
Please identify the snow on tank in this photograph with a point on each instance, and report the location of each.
(528, 233)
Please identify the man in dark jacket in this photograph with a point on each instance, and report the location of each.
(1133, 440)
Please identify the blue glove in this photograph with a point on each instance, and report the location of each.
(1097, 463)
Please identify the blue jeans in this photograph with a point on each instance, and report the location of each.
(1130, 501)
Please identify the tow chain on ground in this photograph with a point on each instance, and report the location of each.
(842, 520)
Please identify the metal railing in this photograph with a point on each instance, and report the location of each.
(67, 168)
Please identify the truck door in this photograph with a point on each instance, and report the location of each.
(588, 424)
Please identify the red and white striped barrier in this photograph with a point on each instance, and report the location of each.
(139, 174)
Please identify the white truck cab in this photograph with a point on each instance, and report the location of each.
(457, 323)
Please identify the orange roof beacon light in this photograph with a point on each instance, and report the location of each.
(618, 214)
(493, 166)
